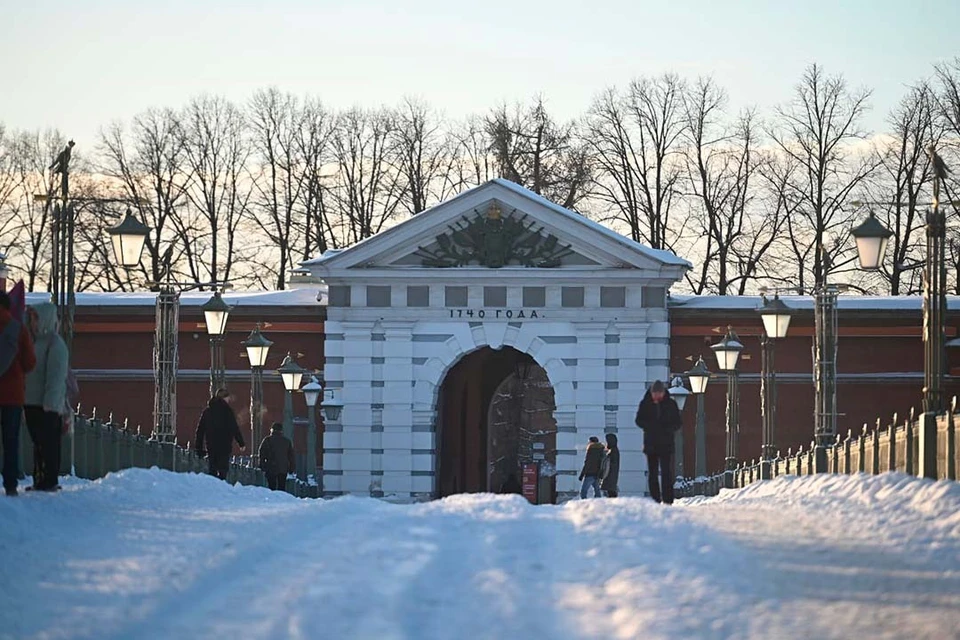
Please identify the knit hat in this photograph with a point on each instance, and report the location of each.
(657, 386)
(276, 427)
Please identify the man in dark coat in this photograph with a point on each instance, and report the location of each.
(610, 478)
(659, 418)
(216, 432)
(590, 474)
(276, 458)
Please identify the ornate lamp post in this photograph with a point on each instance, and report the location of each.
(872, 238)
(699, 377)
(728, 353)
(332, 407)
(679, 394)
(215, 314)
(290, 373)
(776, 321)
(258, 347)
(311, 393)
(128, 239)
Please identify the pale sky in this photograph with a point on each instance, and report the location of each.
(80, 64)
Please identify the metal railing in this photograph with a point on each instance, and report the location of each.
(894, 446)
(97, 447)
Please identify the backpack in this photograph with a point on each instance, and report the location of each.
(9, 344)
(605, 467)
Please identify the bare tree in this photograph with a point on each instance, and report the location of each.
(721, 165)
(148, 165)
(216, 153)
(313, 143)
(818, 130)
(10, 183)
(32, 219)
(289, 140)
(367, 191)
(471, 162)
(534, 151)
(421, 155)
(947, 96)
(904, 174)
(635, 140)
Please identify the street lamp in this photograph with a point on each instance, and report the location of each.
(258, 347)
(332, 407)
(215, 314)
(679, 394)
(311, 393)
(776, 321)
(699, 377)
(128, 239)
(728, 353)
(290, 373)
(871, 238)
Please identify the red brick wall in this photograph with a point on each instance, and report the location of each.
(123, 340)
(124, 344)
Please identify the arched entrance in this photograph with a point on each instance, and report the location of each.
(495, 413)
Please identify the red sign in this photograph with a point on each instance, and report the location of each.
(530, 476)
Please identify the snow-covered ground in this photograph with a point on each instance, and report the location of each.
(150, 554)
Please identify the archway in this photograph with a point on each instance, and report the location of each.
(494, 413)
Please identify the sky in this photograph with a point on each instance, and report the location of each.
(82, 64)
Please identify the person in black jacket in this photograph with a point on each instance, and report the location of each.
(590, 473)
(659, 417)
(216, 432)
(276, 458)
(611, 468)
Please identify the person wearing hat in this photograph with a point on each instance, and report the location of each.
(276, 458)
(659, 417)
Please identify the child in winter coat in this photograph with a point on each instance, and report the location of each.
(590, 474)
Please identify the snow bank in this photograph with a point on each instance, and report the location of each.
(152, 554)
(896, 496)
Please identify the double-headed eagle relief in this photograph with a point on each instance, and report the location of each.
(495, 241)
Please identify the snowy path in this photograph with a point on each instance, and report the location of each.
(148, 554)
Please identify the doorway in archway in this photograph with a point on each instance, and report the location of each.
(494, 414)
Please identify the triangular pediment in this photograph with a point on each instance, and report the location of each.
(497, 225)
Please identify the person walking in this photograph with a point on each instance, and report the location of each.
(46, 395)
(659, 417)
(216, 432)
(590, 473)
(276, 457)
(610, 473)
(17, 359)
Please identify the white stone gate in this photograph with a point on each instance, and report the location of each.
(495, 266)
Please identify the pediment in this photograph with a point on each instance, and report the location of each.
(497, 225)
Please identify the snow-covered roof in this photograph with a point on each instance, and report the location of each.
(844, 302)
(665, 257)
(289, 298)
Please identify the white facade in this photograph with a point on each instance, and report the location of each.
(597, 323)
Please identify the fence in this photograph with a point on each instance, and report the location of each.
(913, 447)
(96, 448)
